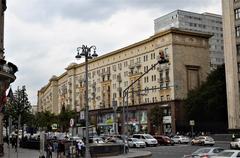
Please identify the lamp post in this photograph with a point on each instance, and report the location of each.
(163, 58)
(86, 52)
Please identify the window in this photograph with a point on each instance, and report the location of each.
(161, 76)
(153, 56)
(167, 75)
(114, 76)
(237, 29)
(139, 59)
(125, 64)
(168, 97)
(238, 49)
(125, 73)
(162, 98)
(114, 67)
(238, 66)
(145, 58)
(237, 13)
(120, 66)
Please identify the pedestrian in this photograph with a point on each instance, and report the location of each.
(49, 150)
(82, 148)
(78, 148)
(233, 137)
(61, 149)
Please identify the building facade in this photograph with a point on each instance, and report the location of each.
(206, 22)
(231, 27)
(110, 74)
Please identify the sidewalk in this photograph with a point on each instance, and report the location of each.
(22, 153)
(28, 153)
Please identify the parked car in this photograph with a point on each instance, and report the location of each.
(203, 140)
(181, 139)
(164, 140)
(75, 139)
(235, 144)
(136, 143)
(228, 154)
(206, 152)
(147, 138)
(96, 140)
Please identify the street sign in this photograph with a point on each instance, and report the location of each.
(82, 115)
(192, 122)
(71, 122)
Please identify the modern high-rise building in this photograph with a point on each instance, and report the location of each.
(231, 34)
(205, 22)
(109, 75)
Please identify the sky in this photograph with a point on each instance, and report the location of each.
(42, 36)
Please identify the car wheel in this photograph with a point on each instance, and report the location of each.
(192, 143)
(179, 142)
(134, 145)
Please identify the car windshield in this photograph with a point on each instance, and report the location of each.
(200, 151)
(237, 140)
(134, 139)
(148, 137)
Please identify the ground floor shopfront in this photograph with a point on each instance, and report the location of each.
(139, 118)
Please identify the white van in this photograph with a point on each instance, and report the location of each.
(147, 138)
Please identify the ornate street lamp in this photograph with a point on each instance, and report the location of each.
(7, 73)
(86, 52)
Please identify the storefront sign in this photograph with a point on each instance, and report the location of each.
(167, 119)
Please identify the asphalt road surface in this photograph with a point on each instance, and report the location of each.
(178, 150)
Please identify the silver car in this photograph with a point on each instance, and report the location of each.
(206, 151)
(136, 143)
(181, 139)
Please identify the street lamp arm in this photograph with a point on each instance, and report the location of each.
(125, 90)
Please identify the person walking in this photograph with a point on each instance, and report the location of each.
(49, 150)
(78, 148)
(61, 149)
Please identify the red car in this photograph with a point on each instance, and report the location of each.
(164, 140)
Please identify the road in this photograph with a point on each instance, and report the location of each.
(178, 150)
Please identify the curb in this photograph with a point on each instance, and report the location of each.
(145, 154)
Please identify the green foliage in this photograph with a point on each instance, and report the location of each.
(64, 118)
(17, 105)
(208, 103)
(156, 117)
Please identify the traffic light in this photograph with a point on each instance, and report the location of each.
(162, 58)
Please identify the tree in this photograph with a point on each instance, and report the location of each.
(45, 120)
(156, 118)
(64, 118)
(207, 105)
(18, 106)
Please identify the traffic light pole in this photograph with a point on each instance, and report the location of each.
(125, 94)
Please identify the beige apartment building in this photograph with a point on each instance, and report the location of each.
(164, 86)
(231, 34)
